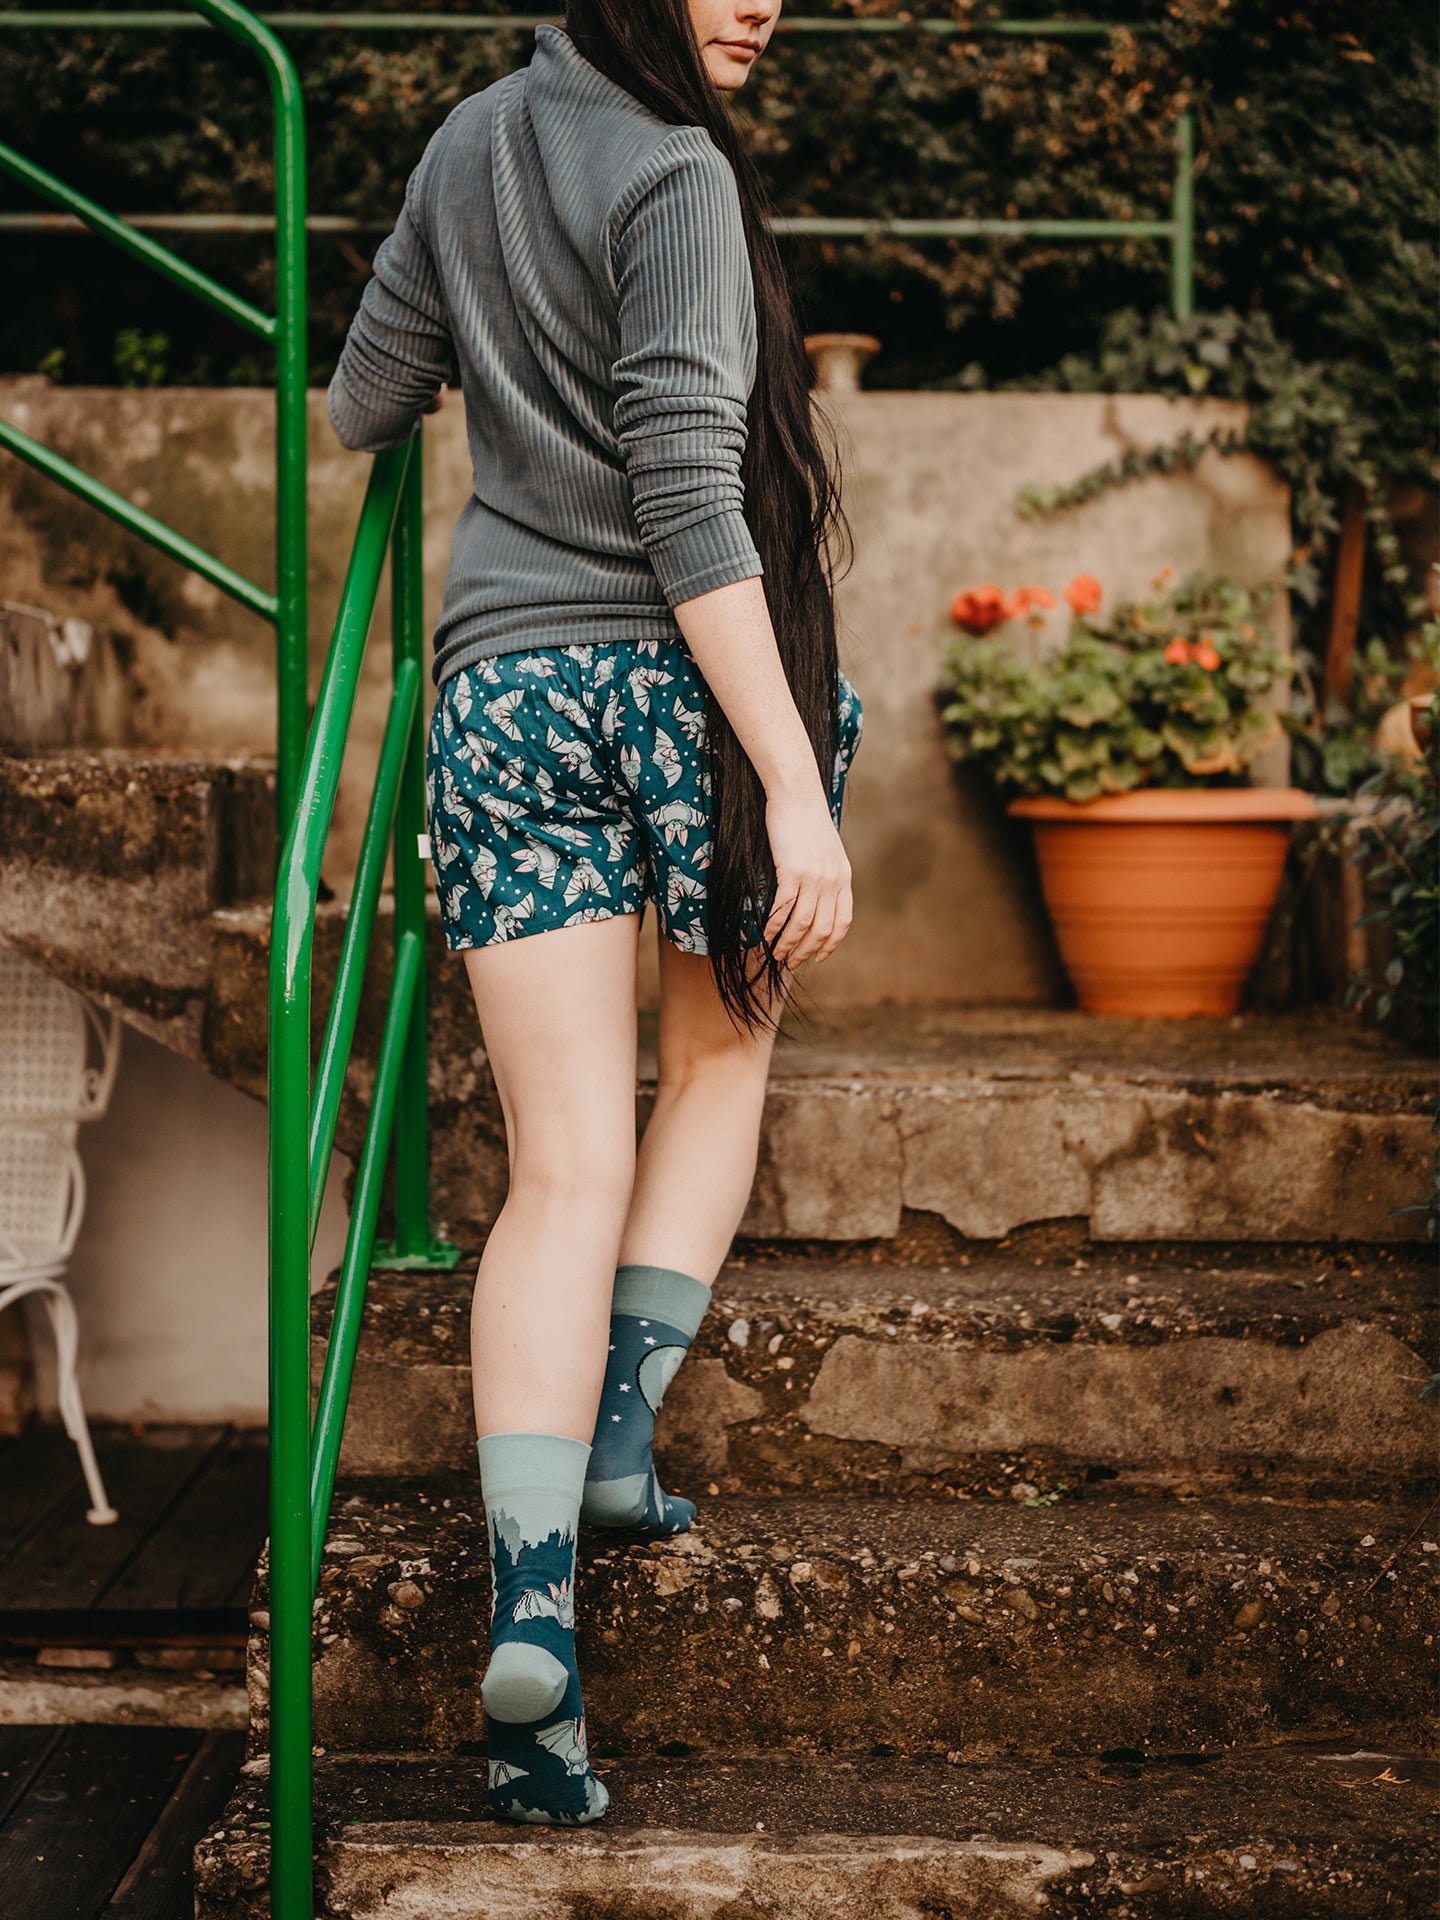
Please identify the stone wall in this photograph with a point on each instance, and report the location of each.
(946, 904)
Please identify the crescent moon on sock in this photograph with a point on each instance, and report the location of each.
(655, 1373)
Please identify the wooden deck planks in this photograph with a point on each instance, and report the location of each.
(192, 1508)
(202, 1554)
(23, 1751)
(86, 1815)
(37, 1473)
(158, 1884)
(65, 1562)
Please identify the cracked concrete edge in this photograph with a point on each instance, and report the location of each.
(1344, 1403)
(841, 1162)
(1348, 1400)
(410, 1872)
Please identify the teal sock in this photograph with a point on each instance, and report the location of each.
(534, 1716)
(654, 1315)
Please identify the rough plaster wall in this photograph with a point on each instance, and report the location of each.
(169, 1272)
(946, 905)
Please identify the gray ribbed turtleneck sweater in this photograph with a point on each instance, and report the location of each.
(582, 263)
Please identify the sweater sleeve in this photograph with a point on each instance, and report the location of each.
(686, 366)
(398, 349)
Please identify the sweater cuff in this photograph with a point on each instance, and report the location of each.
(709, 553)
(360, 428)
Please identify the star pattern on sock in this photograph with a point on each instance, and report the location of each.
(621, 1488)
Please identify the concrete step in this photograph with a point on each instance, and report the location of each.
(1257, 1129)
(1287, 1834)
(1301, 1371)
(115, 863)
(930, 1626)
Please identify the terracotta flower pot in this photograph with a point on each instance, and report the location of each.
(1160, 898)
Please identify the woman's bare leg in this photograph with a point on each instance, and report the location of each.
(696, 1162)
(557, 1011)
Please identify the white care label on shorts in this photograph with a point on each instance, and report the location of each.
(422, 846)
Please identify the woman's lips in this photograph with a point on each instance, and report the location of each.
(741, 49)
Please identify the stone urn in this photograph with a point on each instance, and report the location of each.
(838, 359)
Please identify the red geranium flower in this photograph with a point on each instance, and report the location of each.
(1181, 652)
(978, 609)
(1028, 597)
(1085, 593)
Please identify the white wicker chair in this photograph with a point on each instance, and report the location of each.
(48, 1085)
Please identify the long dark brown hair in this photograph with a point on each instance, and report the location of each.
(792, 497)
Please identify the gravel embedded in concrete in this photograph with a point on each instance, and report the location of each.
(842, 1622)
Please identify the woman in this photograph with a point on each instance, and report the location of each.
(638, 698)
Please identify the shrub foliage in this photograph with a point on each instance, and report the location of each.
(1315, 127)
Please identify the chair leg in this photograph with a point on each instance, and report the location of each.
(66, 1330)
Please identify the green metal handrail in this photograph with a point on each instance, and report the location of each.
(286, 606)
(1178, 229)
(303, 1460)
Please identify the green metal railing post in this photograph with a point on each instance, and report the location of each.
(292, 937)
(291, 380)
(1182, 221)
(414, 1245)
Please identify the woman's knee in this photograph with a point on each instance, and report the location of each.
(710, 1068)
(590, 1176)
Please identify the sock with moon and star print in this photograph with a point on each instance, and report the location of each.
(654, 1315)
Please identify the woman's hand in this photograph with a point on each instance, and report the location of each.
(813, 902)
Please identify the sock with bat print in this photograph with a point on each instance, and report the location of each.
(534, 1716)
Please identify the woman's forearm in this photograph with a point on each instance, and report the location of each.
(730, 634)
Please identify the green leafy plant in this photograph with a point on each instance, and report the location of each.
(1315, 182)
(1318, 425)
(1332, 742)
(1308, 419)
(1169, 692)
(141, 359)
(1398, 847)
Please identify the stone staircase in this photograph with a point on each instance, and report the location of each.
(1051, 1576)
(1039, 1573)
(1064, 1473)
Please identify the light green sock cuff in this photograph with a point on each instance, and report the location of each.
(660, 1293)
(515, 1464)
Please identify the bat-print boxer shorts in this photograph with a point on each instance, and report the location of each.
(568, 784)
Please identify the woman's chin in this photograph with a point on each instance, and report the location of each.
(728, 74)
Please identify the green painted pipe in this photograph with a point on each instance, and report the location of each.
(350, 1293)
(135, 520)
(838, 227)
(291, 380)
(291, 1771)
(359, 924)
(125, 236)
(1182, 221)
(291, 950)
(414, 1245)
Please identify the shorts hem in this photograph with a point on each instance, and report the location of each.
(522, 928)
